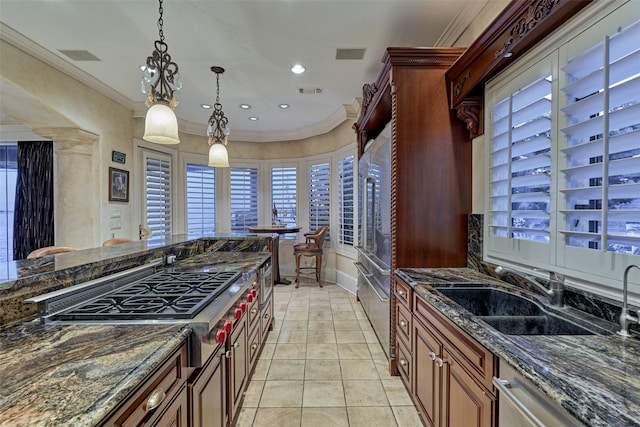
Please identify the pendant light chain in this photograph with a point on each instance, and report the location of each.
(160, 22)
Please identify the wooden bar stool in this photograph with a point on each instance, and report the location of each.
(312, 247)
(116, 241)
(49, 250)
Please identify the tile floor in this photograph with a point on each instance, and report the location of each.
(322, 366)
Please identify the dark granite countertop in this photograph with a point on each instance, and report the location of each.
(595, 377)
(54, 375)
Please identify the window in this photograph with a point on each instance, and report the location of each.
(319, 196)
(601, 174)
(201, 196)
(8, 176)
(284, 194)
(157, 190)
(345, 200)
(564, 154)
(520, 169)
(244, 198)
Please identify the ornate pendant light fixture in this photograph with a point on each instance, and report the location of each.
(218, 131)
(160, 81)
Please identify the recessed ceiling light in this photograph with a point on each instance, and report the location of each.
(284, 106)
(205, 106)
(253, 119)
(245, 106)
(298, 69)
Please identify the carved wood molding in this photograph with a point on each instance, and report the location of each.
(518, 28)
(471, 112)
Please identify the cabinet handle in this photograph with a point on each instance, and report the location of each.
(403, 323)
(403, 362)
(266, 315)
(155, 400)
(400, 292)
(236, 345)
(432, 355)
(254, 311)
(227, 354)
(439, 362)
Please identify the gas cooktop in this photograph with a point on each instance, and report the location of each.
(164, 295)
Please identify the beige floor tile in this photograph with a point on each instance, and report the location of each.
(281, 394)
(322, 370)
(396, 392)
(293, 324)
(321, 337)
(291, 336)
(285, 369)
(358, 370)
(365, 393)
(262, 367)
(272, 337)
(370, 337)
(365, 325)
(322, 325)
(370, 417)
(290, 351)
(341, 306)
(346, 325)
(322, 351)
(280, 417)
(267, 351)
(383, 370)
(350, 337)
(377, 353)
(253, 394)
(407, 416)
(245, 417)
(321, 315)
(344, 315)
(299, 306)
(325, 417)
(296, 316)
(323, 393)
(353, 351)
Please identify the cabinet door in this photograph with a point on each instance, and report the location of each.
(238, 364)
(427, 374)
(208, 393)
(464, 402)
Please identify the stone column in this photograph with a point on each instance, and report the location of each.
(76, 210)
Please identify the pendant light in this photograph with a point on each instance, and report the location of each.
(217, 130)
(160, 81)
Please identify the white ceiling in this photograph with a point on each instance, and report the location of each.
(256, 41)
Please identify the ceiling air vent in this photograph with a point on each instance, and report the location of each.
(79, 55)
(310, 90)
(350, 53)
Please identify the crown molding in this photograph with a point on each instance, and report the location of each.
(460, 23)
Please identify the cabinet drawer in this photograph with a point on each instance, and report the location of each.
(253, 311)
(155, 395)
(254, 347)
(404, 364)
(473, 357)
(403, 293)
(266, 317)
(403, 324)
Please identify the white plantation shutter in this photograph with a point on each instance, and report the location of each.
(601, 174)
(157, 189)
(244, 198)
(521, 163)
(201, 192)
(346, 198)
(284, 195)
(319, 196)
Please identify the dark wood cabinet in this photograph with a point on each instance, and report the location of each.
(238, 365)
(208, 393)
(447, 373)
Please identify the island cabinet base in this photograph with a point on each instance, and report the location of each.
(447, 373)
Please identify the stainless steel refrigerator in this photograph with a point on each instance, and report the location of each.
(374, 230)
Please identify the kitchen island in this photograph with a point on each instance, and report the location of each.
(55, 375)
(596, 378)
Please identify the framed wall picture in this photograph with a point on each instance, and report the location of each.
(118, 185)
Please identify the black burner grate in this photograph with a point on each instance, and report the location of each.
(165, 295)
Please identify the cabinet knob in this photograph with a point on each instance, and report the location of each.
(439, 362)
(403, 323)
(155, 400)
(236, 345)
(403, 362)
(400, 292)
(432, 355)
(254, 347)
(254, 311)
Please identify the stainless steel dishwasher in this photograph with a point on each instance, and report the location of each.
(521, 404)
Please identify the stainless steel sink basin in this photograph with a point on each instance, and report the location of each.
(511, 314)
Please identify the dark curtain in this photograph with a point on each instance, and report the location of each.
(33, 216)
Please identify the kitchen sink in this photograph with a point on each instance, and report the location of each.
(511, 314)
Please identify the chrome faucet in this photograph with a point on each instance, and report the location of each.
(555, 293)
(625, 318)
